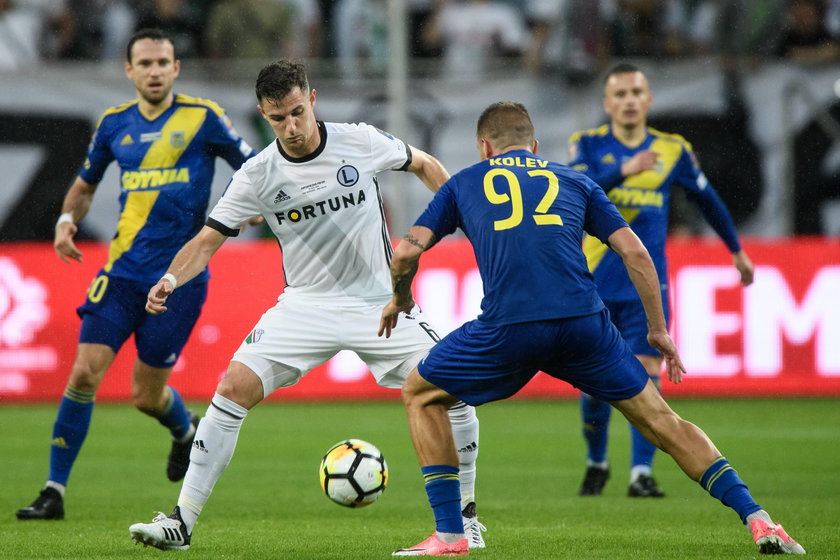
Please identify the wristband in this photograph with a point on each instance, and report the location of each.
(171, 278)
(67, 217)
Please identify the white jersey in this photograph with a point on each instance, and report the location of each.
(325, 210)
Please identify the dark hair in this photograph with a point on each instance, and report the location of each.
(148, 33)
(279, 78)
(620, 68)
(506, 123)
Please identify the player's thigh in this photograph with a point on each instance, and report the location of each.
(90, 366)
(480, 363)
(161, 338)
(648, 411)
(288, 341)
(390, 359)
(112, 309)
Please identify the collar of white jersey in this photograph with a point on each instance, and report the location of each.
(309, 157)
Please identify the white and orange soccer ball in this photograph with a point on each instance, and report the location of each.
(353, 473)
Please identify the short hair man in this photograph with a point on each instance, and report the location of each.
(166, 145)
(317, 187)
(525, 216)
(638, 166)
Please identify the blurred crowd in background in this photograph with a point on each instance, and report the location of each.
(577, 37)
(773, 56)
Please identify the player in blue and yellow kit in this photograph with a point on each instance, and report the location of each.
(166, 145)
(525, 216)
(637, 166)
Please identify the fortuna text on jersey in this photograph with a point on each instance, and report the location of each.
(321, 208)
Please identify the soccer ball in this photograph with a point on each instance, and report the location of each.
(353, 473)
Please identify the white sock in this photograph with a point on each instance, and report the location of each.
(449, 538)
(639, 470)
(55, 486)
(215, 441)
(603, 465)
(189, 435)
(465, 432)
(760, 514)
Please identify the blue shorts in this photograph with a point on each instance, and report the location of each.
(116, 307)
(480, 363)
(629, 317)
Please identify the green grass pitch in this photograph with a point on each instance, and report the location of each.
(268, 504)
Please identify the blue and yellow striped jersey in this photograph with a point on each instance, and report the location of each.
(643, 199)
(166, 168)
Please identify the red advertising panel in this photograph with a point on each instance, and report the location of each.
(780, 336)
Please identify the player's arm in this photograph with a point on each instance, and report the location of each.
(643, 160)
(75, 207)
(428, 169)
(223, 139)
(403, 268)
(190, 260)
(582, 159)
(643, 275)
(609, 176)
(717, 215)
(715, 212)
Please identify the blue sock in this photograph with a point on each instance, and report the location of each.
(444, 491)
(596, 426)
(641, 450)
(175, 416)
(722, 482)
(69, 432)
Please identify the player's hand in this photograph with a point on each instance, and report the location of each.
(63, 242)
(157, 297)
(390, 315)
(745, 267)
(673, 365)
(642, 161)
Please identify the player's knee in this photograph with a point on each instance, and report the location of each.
(426, 395)
(415, 397)
(409, 396)
(241, 386)
(226, 387)
(412, 387)
(83, 377)
(147, 402)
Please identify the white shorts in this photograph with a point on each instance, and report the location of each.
(294, 337)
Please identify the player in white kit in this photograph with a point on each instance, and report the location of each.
(317, 189)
